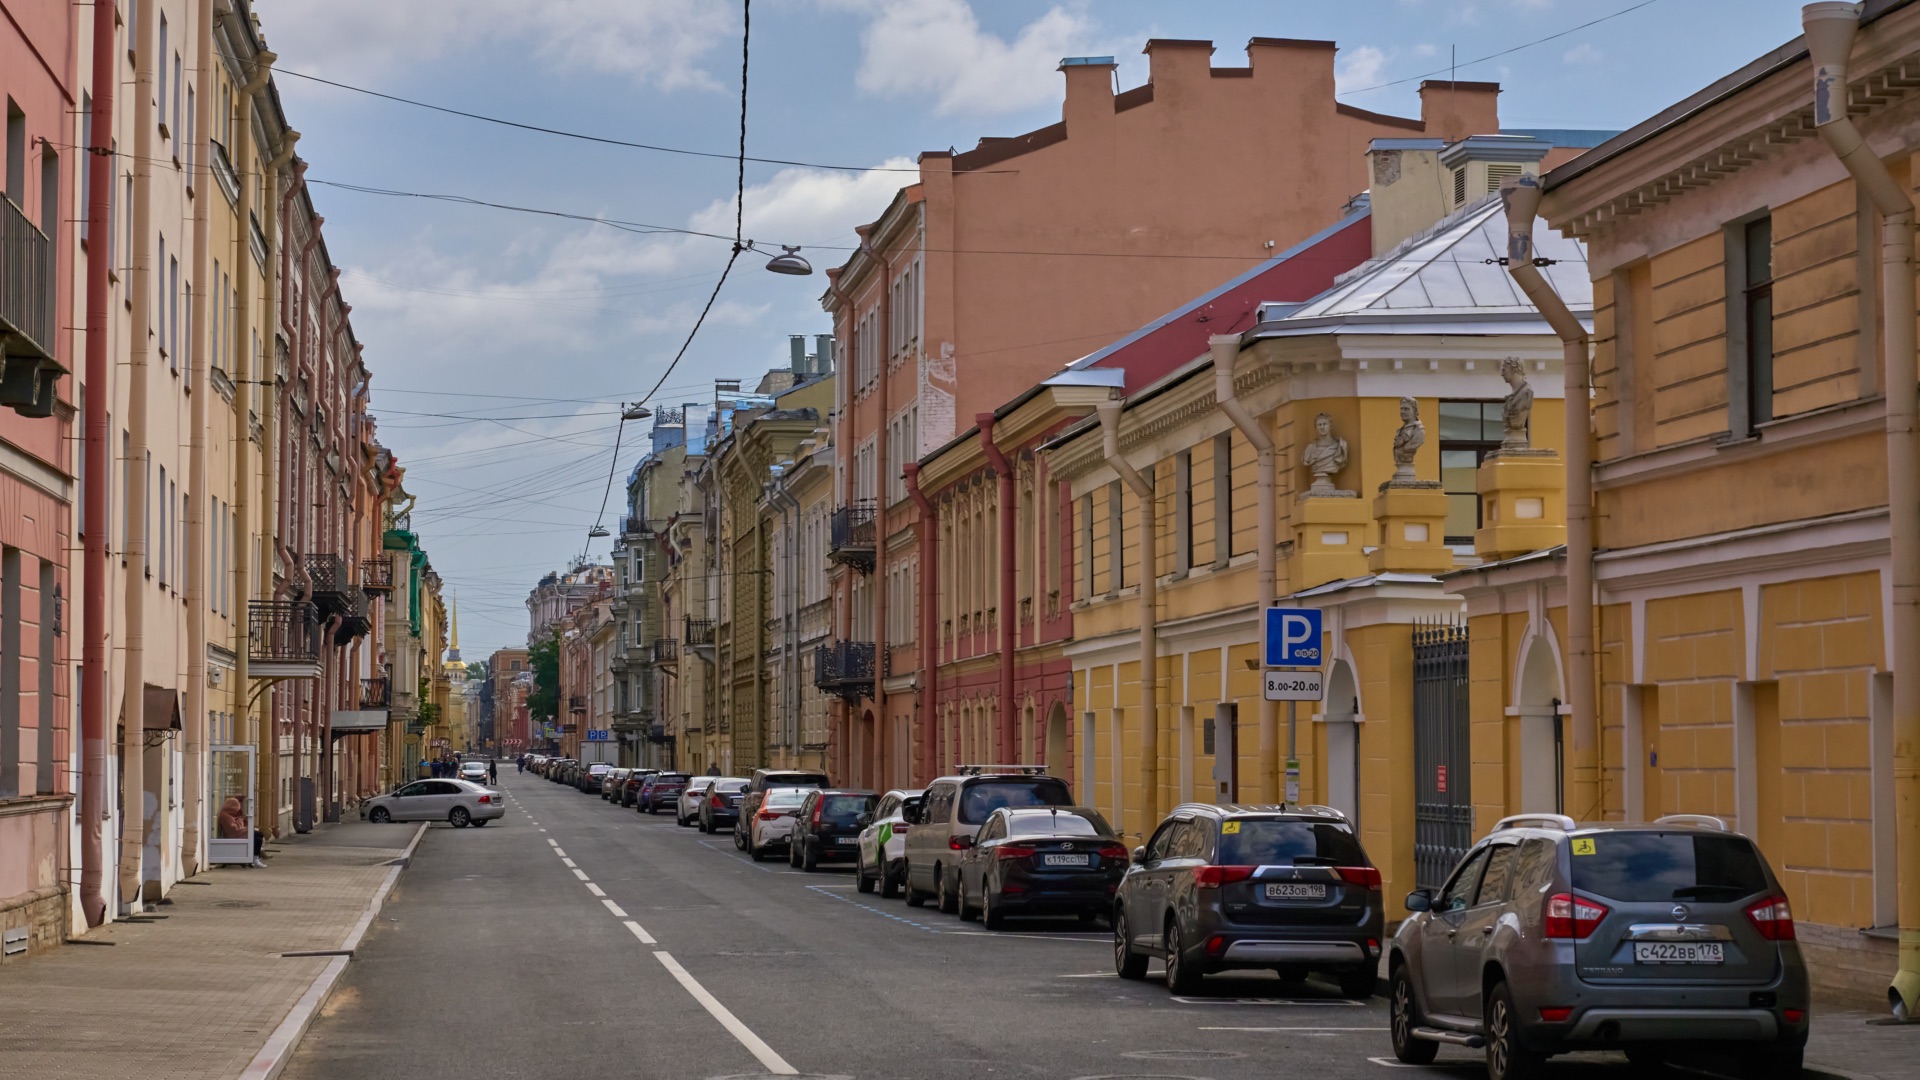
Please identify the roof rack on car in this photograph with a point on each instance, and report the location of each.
(977, 770)
(1538, 821)
(1698, 821)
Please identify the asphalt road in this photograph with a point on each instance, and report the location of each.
(571, 939)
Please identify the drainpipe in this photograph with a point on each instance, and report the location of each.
(1008, 625)
(789, 619)
(1149, 633)
(1830, 29)
(191, 848)
(1226, 350)
(255, 371)
(1522, 199)
(882, 725)
(296, 571)
(98, 480)
(929, 621)
(140, 286)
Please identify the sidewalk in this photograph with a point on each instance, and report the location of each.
(1848, 1044)
(198, 994)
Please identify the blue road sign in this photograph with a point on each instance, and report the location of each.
(1291, 637)
(599, 735)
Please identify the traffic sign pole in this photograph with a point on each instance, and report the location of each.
(1293, 757)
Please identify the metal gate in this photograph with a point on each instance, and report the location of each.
(1443, 802)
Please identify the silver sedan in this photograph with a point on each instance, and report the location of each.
(456, 802)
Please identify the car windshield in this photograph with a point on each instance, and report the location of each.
(1645, 867)
(785, 797)
(1078, 823)
(1275, 842)
(981, 800)
(845, 809)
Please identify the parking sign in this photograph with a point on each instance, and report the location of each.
(1291, 638)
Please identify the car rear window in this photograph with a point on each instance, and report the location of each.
(1078, 823)
(786, 798)
(1647, 867)
(794, 779)
(844, 809)
(730, 785)
(979, 801)
(1274, 842)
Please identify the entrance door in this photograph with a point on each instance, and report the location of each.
(231, 805)
(1443, 804)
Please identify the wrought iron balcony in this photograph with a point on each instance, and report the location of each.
(577, 703)
(283, 639)
(376, 576)
(27, 326)
(851, 536)
(665, 650)
(376, 693)
(333, 591)
(699, 632)
(848, 668)
(657, 734)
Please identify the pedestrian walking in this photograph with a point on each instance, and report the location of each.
(493, 771)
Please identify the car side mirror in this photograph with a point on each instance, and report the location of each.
(1419, 900)
(1140, 856)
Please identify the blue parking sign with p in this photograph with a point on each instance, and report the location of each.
(1291, 638)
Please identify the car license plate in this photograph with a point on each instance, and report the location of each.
(1291, 891)
(1065, 860)
(847, 840)
(1679, 952)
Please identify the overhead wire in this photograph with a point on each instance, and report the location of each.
(1503, 52)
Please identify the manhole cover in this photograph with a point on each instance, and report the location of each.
(239, 903)
(1183, 1055)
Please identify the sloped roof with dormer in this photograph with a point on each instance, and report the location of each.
(1447, 279)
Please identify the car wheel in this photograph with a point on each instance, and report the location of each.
(1403, 1014)
(459, 818)
(861, 881)
(758, 854)
(705, 825)
(1182, 978)
(479, 822)
(944, 894)
(990, 916)
(379, 815)
(809, 856)
(1507, 1059)
(1126, 963)
(889, 881)
(967, 912)
(1358, 984)
(915, 898)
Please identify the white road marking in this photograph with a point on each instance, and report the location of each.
(759, 1049)
(554, 843)
(645, 938)
(595, 889)
(1310, 1002)
(579, 873)
(567, 861)
(615, 908)
(558, 850)
(1093, 975)
(1101, 940)
(1310, 1029)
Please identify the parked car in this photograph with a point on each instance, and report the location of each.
(1550, 937)
(687, 809)
(456, 802)
(630, 788)
(659, 791)
(828, 827)
(883, 842)
(474, 772)
(952, 812)
(1053, 861)
(587, 778)
(1224, 887)
(757, 786)
(720, 803)
(771, 826)
(611, 782)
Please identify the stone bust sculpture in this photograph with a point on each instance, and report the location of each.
(1325, 456)
(1408, 440)
(1517, 412)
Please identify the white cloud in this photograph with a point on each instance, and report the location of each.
(1424, 50)
(656, 43)
(938, 48)
(1358, 69)
(1582, 53)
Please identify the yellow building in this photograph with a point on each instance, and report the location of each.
(1377, 402)
(1753, 588)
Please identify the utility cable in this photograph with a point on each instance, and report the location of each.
(1502, 52)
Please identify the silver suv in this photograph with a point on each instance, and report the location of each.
(1550, 937)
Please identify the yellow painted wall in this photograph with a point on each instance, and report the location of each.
(1383, 656)
(1689, 370)
(1842, 475)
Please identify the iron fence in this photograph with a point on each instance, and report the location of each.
(1442, 760)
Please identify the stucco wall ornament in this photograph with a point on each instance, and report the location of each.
(1406, 443)
(1324, 457)
(1516, 413)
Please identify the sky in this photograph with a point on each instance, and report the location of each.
(502, 344)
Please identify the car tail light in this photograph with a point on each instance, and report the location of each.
(1773, 918)
(1364, 876)
(1012, 851)
(767, 815)
(817, 808)
(899, 828)
(717, 802)
(1794, 1016)
(1216, 945)
(1112, 851)
(956, 843)
(1212, 877)
(1554, 1014)
(1573, 917)
(486, 798)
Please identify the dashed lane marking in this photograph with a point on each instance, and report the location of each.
(579, 873)
(755, 1045)
(645, 938)
(615, 908)
(568, 863)
(1315, 1030)
(553, 843)
(595, 889)
(1101, 940)
(869, 907)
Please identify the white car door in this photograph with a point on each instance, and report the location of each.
(407, 802)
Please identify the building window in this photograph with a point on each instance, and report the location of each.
(1222, 498)
(1116, 538)
(1757, 297)
(1183, 511)
(1086, 545)
(1469, 430)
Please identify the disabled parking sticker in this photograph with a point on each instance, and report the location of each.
(1228, 828)
(1583, 846)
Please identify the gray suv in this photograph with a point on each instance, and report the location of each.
(1219, 888)
(1549, 937)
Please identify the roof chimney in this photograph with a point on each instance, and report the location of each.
(1454, 110)
(1089, 90)
(1405, 188)
(797, 353)
(823, 353)
(1177, 63)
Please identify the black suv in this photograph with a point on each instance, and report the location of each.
(1225, 887)
(827, 829)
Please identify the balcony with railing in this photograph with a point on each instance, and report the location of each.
(376, 576)
(376, 693)
(848, 668)
(283, 639)
(333, 590)
(851, 534)
(27, 325)
(699, 632)
(666, 650)
(577, 703)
